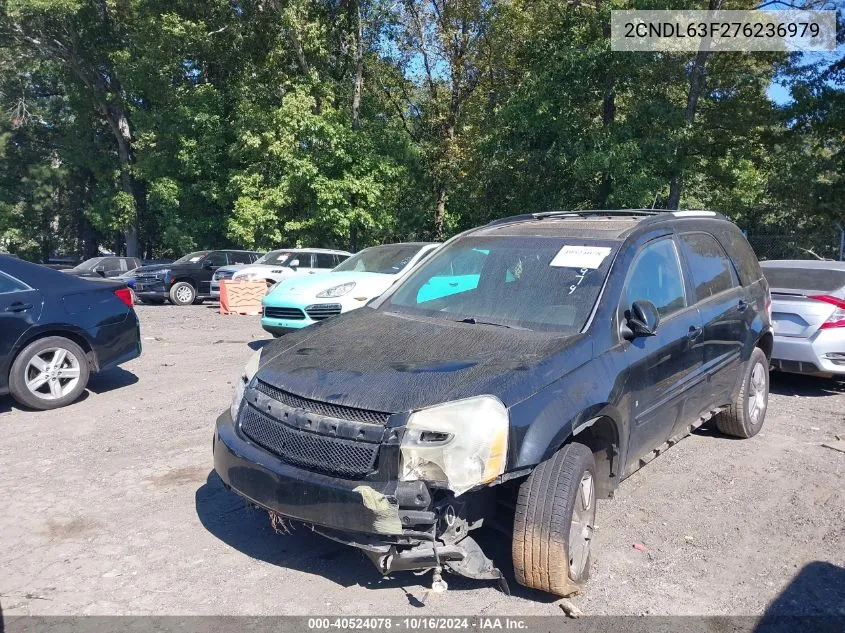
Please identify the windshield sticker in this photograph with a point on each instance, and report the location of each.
(589, 257)
(194, 259)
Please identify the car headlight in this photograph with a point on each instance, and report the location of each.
(460, 444)
(164, 272)
(249, 372)
(247, 276)
(336, 291)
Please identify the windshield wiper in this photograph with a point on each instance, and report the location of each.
(474, 321)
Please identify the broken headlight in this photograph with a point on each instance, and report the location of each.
(460, 444)
(249, 371)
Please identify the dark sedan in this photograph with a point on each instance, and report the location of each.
(56, 329)
(106, 266)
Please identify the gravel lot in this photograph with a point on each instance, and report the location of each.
(110, 506)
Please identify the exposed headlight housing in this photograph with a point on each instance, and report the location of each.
(249, 372)
(460, 444)
(337, 291)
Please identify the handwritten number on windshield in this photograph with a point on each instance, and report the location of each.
(580, 277)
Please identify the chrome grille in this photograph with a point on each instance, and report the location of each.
(326, 409)
(284, 313)
(332, 455)
(318, 311)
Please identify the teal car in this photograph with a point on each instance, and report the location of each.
(298, 302)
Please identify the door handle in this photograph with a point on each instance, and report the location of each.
(17, 306)
(694, 332)
(742, 306)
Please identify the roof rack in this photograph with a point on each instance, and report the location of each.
(577, 214)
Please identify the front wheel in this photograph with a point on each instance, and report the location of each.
(744, 417)
(182, 294)
(49, 373)
(554, 521)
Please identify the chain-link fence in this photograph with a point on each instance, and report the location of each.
(822, 244)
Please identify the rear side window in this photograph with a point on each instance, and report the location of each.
(325, 260)
(239, 258)
(656, 276)
(10, 284)
(708, 263)
(743, 256)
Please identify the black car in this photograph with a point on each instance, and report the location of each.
(106, 266)
(188, 279)
(55, 329)
(518, 374)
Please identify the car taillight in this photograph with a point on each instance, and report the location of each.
(837, 319)
(125, 295)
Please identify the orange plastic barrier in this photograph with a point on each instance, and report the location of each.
(241, 297)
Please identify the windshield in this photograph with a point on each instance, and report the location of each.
(538, 283)
(191, 258)
(275, 258)
(387, 260)
(88, 264)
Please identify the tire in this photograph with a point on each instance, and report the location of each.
(745, 416)
(65, 382)
(182, 294)
(544, 531)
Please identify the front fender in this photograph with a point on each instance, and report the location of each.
(541, 424)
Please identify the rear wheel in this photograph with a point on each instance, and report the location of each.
(182, 294)
(553, 522)
(49, 373)
(744, 418)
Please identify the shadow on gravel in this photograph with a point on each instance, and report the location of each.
(111, 379)
(230, 519)
(813, 601)
(806, 386)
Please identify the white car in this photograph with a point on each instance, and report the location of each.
(298, 302)
(281, 264)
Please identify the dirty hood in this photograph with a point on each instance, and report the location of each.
(386, 362)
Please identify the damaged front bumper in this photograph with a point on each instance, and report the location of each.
(399, 525)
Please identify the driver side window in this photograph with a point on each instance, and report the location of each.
(656, 276)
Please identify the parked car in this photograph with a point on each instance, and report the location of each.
(590, 343)
(302, 301)
(56, 329)
(808, 316)
(282, 264)
(106, 266)
(188, 279)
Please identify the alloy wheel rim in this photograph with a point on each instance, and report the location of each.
(184, 294)
(52, 373)
(581, 529)
(757, 393)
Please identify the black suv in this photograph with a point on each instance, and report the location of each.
(521, 372)
(188, 279)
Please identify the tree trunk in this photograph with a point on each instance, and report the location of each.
(119, 124)
(440, 211)
(608, 118)
(696, 87)
(359, 70)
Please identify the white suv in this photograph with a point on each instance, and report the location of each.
(276, 266)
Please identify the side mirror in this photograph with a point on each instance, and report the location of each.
(641, 320)
(100, 270)
(294, 264)
(208, 265)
